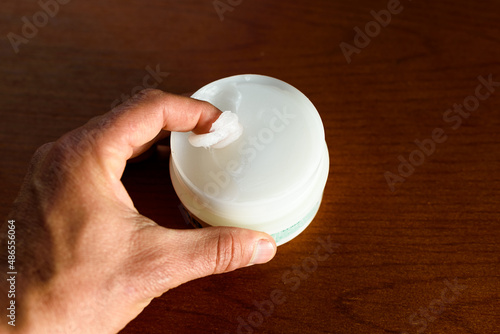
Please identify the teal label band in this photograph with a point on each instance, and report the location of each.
(290, 231)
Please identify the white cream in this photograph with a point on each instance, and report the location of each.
(225, 130)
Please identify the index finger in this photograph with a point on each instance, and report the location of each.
(130, 128)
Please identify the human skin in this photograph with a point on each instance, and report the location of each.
(87, 260)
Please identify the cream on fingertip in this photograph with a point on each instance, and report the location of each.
(224, 131)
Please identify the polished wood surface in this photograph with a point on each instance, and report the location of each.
(420, 259)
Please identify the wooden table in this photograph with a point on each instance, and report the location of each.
(420, 259)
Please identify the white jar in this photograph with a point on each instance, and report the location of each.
(272, 178)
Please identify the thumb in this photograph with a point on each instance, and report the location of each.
(185, 255)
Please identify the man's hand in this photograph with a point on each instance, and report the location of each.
(87, 261)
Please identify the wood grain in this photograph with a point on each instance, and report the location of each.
(395, 251)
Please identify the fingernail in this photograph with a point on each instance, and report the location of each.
(263, 252)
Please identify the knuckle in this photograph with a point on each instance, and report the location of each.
(229, 254)
(55, 161)
(77, 144)
(41, 152)
(63, 150)
(39, 159)
(138, 98)
(146, 94)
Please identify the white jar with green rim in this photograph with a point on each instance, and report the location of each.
(272, 178)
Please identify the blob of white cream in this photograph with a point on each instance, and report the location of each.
(225, 130)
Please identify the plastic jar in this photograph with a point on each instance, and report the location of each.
(272, 178)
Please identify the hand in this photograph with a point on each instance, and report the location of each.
(87, 261)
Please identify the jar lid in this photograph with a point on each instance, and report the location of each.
(267, 169)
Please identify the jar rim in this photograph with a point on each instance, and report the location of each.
(227, 206)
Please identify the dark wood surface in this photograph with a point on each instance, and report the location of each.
(395, 252)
